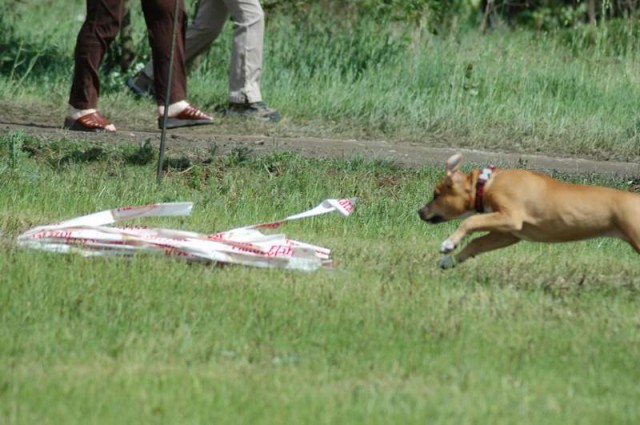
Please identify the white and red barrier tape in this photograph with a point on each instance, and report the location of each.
(92, 235)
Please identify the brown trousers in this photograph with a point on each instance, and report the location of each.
(100, 28)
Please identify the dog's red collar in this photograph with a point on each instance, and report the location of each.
(483, 178)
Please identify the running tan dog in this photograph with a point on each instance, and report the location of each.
(515, 205)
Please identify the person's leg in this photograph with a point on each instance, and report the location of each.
(100, 28)
(206, 27)
(158, 16)
(246, 55)
(210, 18)
(245, 70)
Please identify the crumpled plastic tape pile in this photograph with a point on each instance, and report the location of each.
(93, 235)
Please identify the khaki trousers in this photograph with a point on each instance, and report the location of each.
(100, 28)
(248, 37)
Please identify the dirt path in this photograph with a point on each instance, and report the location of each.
(199, 142)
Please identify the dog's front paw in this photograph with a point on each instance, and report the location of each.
(447, 262)
(447, 246)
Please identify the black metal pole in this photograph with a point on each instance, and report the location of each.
(163, 132)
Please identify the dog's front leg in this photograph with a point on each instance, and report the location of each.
(491, 222)
(478, 246)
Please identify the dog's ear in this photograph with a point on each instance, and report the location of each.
(453, 163)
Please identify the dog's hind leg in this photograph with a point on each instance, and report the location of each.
(477, 246)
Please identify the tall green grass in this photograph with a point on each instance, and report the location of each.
(535, 334)
(571, 93)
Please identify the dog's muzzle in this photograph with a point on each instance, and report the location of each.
(432, 219)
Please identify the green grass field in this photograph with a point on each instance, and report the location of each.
(534, 334)
(571, 93)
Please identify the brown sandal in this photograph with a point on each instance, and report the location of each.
(188, 117)
(93, 123)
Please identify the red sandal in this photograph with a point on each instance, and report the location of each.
(93, 123)
(188, 117)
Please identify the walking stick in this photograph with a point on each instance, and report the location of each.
(163, 132)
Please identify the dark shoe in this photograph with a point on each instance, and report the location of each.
(257, 110)
(92, 123)
(141, 85)
(188, 117)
